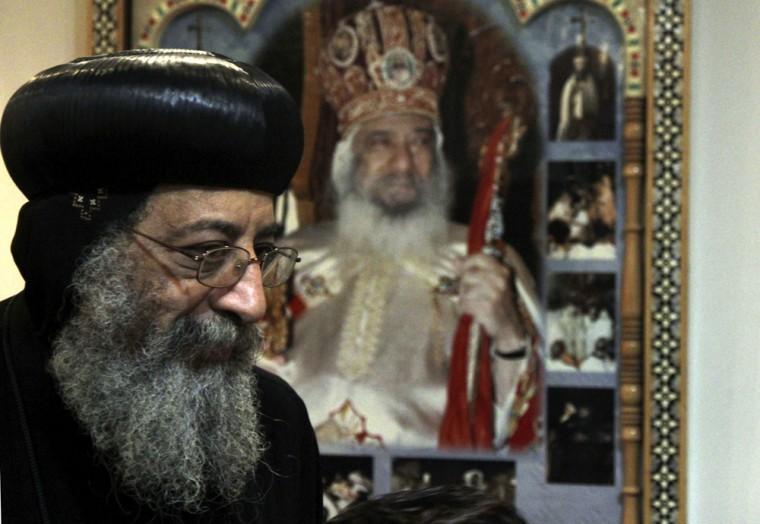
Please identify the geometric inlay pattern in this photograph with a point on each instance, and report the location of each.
(104, 27)
(667, 241)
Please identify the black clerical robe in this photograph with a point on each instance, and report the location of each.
(49, 473)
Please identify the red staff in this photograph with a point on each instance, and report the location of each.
(468, 419)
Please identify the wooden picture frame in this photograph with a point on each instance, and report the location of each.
(652, 372)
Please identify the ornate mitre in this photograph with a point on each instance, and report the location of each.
(384, 59)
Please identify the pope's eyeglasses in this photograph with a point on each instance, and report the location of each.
(224, 266)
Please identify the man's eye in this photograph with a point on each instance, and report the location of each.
(378, 141)
(421, 140)
(199, 249)
(262, 249)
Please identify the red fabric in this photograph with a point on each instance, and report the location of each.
(455, 430)
(483, 425)
(296, 306)
(460, 427)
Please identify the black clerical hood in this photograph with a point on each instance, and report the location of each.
(88, 140)
(143, 117)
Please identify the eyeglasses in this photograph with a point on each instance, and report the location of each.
(225, 266)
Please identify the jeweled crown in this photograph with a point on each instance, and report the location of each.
(384, 59)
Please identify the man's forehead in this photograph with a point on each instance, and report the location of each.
(191, 191)
(174, 206)
(397, 122)
(193, 196)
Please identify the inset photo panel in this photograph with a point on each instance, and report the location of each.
(581, 211)
(580, 322)
(582, 85)
(345, 479)
(580, 436)
(495, 477)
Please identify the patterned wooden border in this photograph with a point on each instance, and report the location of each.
(666, 262)
(108, 28)
(660, 171)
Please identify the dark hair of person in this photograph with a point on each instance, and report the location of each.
(449, 504)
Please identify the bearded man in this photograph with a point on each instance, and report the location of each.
(376, 300)
(129, 386)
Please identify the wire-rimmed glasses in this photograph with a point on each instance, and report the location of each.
(224, 266)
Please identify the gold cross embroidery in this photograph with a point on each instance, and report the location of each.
(88, 204)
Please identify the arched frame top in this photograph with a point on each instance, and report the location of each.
(243, 11)
(629, 15)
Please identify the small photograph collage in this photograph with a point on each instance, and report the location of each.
(347, 479)
(582, 261)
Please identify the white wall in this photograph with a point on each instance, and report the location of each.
(724, 280)
(34, 35)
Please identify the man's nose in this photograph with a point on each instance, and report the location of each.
(403, 160)
(245, 299)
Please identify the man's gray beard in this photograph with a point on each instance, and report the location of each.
(364, 226)
(177, 433)
(367, 226)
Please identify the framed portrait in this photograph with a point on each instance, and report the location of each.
(557, 130)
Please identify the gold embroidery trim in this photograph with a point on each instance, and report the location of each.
(360, 337)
